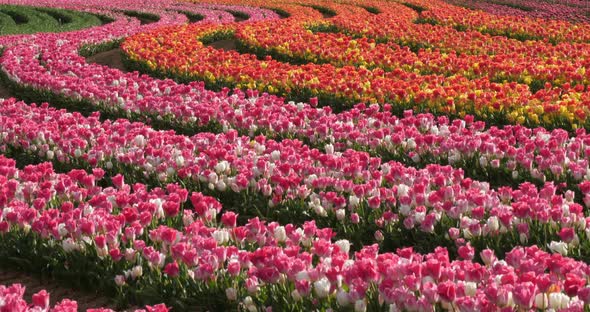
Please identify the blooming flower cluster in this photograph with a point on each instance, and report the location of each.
(340, 50)
(527, 28)
(288, 206)
(349, 191)
(560, 10)
(258, 256)
(546, 89)
(191, 106)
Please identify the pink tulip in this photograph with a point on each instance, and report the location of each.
(524, 294)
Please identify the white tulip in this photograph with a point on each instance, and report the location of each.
(296, 295)
(559, 247)
(275, 155)
(360, 306)
(322, 287)
(344, 245)
(120, 280)
(342, 298)
(231, 293)
(280, 234)
(353, 201)
(137, 271)
(541, 301)
(329, 149)
(470, 289)
(340, 214)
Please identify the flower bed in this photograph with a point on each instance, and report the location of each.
(175, 49)
(362, 199)
(260, 203)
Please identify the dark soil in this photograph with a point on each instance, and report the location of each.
(112, 58)
(226, 45)
(5, 92)
(144, 20)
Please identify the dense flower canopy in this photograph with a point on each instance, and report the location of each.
(357, 155)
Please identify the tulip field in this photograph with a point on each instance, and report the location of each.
(295, 155)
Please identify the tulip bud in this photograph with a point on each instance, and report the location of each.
(296, 296)
(344, 245)
(541, 301)
(470, 289)
(353, 201)
(342, 298)
(40, 299)
(483, 161)
(487, 256)
(379, 236)
(220, 186)
(313, 102)
(252, 285)
(354, 218)
(320, 211)
(360, 306)
(275, 155)
(329, 149)
(179, 161)
(454, 233)
(231, 293)
(61, 229)
(523, 238)
(554, 301)
(221, 167)
(340, 214)
(129, 254)
(220, 236)
(280, 234)
(69, 245)
(137, 271)
(493, 224)
(322, 287)
(233, 267)
(495, 163)
(559, 247)
(139, 140)
(120, 280)
(567, 234)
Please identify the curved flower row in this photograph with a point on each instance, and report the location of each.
(566, 10)
(292, 40)
(539, 29)
(167, 11)
(361, 198)
(208, 15)
(178, 51)
(253, 13)
(399, 28)
(258, 264)
(252, 262)
(397, 23)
